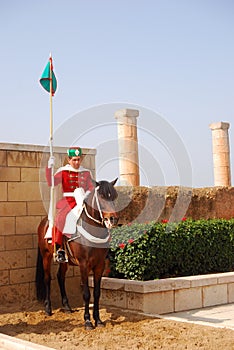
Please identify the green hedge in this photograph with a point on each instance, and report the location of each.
(160, 250)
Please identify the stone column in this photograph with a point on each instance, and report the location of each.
(128, 147)
(221, 154)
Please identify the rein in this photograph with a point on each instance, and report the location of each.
(95, 197)
(90, 217)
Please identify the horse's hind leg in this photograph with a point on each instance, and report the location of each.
(61, 281)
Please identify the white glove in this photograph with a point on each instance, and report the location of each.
(51, 162)
(79, 196)
(86, 194)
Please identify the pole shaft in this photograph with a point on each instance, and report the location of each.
(51, 150)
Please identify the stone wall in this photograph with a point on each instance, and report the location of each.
(22, 187)
(143, 204)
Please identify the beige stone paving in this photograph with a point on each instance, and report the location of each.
(221, 316)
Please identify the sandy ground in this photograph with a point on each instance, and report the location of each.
(123, 330)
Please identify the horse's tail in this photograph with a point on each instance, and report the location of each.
(40, 285)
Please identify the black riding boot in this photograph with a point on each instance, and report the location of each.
(61, 255)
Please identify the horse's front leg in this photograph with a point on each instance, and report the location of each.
(86, 296)
(61, 281)
(96, 295)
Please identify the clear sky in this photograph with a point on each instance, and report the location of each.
(171, 59)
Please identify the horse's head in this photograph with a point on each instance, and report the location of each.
(101, 200)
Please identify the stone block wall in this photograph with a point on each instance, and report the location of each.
(22, 187)
(169, 294)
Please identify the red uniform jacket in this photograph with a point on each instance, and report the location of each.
(70, 179)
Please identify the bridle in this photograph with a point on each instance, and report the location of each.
(107, 222)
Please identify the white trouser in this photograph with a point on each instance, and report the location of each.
(72, 217)
(74, 214)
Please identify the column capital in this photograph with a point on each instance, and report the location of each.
(126, 113)
(219, 125)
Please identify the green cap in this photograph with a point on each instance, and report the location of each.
(74, 152)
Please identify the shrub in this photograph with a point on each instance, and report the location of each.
(159, 250)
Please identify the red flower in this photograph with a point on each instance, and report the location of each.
(183, 219)
(107, 271)
(130, 240)
(121, 245)
(164, 221)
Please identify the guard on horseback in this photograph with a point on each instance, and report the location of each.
(76, 184)
(93, 203)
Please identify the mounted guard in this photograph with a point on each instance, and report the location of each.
(76, 184)
(83, 197)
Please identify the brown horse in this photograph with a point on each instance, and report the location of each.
(88, 249)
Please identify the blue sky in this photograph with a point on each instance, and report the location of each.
(171, 57)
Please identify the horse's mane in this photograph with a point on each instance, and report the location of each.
(107, 190)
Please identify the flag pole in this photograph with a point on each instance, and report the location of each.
(49, 83)
(51, 115)
(51, 153)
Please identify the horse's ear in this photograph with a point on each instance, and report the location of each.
(95, 183)
(114, 182)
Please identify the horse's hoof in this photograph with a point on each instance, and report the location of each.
(99, 324)
(67, 309)
(48, 312)
(88, 326)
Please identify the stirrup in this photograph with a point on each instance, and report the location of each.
(61, 256)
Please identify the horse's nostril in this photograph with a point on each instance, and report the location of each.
(114, 220)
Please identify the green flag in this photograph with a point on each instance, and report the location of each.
(47, 75)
